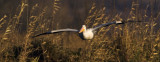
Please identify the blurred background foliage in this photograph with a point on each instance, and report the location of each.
(132, 42)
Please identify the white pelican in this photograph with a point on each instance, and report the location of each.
(84, 32)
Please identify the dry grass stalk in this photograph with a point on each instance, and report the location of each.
(2, 21)
(56, 6)
(30, 31)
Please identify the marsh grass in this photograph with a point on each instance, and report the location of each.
(131, 42)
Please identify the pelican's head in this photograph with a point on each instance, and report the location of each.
(83, 28)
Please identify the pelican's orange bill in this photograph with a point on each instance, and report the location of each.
(82, 29)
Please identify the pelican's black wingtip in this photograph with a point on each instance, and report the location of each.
(34, 36)
(131, 21)
(41, 34)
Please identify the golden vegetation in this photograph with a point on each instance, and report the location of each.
(119, 43)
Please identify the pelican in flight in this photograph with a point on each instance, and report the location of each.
(84, 32)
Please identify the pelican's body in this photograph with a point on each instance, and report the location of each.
(86, 33)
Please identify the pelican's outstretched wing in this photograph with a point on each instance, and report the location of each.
(56, 31)
(107, 24)
(115, 22)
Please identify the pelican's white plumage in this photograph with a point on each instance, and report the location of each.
(88, 34)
